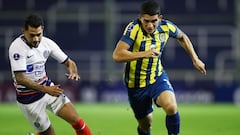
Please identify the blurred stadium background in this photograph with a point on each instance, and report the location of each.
(89, 29)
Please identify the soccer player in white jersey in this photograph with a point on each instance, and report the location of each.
(35, 92)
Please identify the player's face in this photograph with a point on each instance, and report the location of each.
(150, 23)
(33, 35)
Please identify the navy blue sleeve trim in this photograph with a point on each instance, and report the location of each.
(20, 71)
(65, 60)
(127, 40)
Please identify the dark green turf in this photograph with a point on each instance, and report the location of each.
(117, 119)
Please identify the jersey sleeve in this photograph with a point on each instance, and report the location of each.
(130, 33)
(17, 57)
(56, 52)
(173, 29)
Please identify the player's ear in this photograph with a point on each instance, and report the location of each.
(160, 17)
(23, 30)
(139, 16)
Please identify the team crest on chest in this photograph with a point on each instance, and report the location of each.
(46, 54)
(162, 37)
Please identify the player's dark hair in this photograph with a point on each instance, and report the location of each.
(33, 20)
(150, 7)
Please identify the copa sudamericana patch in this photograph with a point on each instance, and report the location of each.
(130, 27)
(16, 56)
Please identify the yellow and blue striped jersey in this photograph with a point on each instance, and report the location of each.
(142, 72)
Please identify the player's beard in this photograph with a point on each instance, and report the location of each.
(150, 30)
(35, 44)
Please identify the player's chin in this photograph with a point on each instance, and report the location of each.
(150, 31)
(35, 44)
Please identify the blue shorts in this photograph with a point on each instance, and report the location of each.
(141, 98)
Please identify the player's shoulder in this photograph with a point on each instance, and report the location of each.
(17, 43)
(48, 41)
(169, 24)
(17, 40)
(136, 21)
(166, 22)
(133, 25)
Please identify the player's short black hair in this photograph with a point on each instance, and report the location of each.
(150, 7)
(33, 20)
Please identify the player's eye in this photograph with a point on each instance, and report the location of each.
(146, 21)
(33, 35)
(150, 21)
(153, 21)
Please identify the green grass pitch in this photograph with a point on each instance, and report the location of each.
(118, 119)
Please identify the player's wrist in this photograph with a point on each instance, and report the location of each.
(42, 89)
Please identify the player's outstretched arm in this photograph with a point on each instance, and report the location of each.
(72, 70)
(185, 42)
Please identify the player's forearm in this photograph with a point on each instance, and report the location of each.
(23, 80)
(71, 66)
(188, 47)
(126, 56)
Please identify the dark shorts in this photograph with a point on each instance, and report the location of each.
(141, 98)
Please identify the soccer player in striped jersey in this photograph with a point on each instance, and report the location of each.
(141, 47)
(35, 91)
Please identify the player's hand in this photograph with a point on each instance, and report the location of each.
(199, 65)
(73, 76)
(53, 90)
(153, 53)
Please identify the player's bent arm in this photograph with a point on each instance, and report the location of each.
(122, 54)
(23, 80)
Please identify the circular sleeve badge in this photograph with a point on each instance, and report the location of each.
(16, 56)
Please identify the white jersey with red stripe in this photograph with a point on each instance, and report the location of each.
(30, 60)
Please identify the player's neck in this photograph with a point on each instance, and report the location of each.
(25, 40)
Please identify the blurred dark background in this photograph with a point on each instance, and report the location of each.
(88, 31)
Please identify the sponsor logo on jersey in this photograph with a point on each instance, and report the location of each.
(30, 68)
(29, 56)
